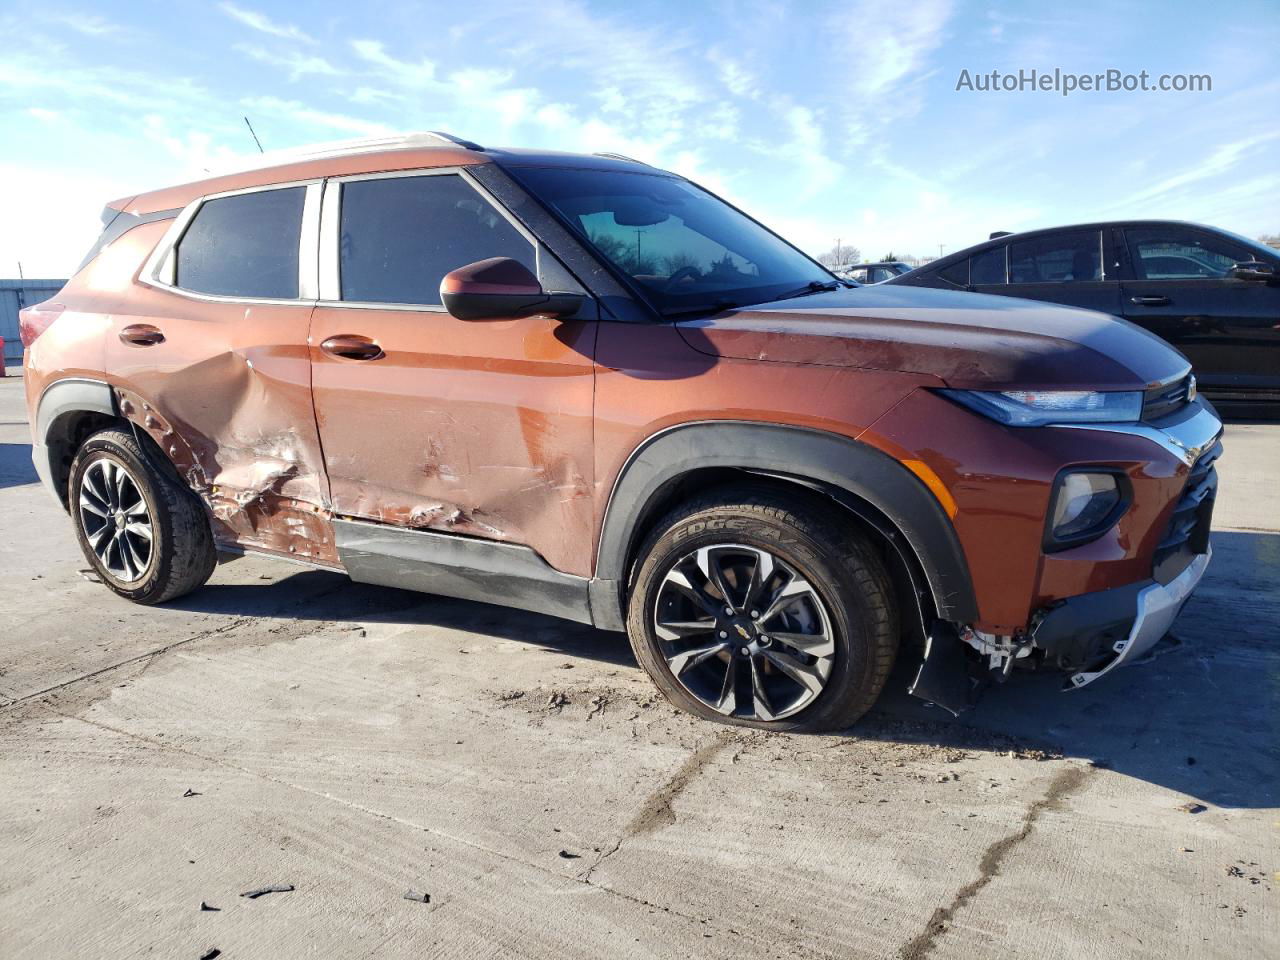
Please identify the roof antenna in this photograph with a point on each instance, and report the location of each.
(255, 136)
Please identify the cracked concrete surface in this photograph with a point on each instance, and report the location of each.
(357, 742)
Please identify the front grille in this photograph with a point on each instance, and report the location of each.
(1165, 399)
(1187, 535)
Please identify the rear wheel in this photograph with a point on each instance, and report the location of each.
(145, 535)
(761, 608)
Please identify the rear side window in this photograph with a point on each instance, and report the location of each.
(1058, 258)
(987, 267)
(401, 235)
(244, 246)
(957, 273)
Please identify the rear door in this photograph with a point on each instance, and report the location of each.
(482, 429)
(1067, 267)
(1178, 288)
(208, 354)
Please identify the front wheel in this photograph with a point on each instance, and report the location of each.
(146, 536)
(764, 609)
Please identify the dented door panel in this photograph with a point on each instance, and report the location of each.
(226, 396)
(477, 428)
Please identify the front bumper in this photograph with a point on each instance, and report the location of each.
(1098, 632)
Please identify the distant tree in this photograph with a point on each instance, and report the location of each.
(841, 255)
(889, 257)
(1270, 239)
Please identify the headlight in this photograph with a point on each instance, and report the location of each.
(1085, 505)
(1028, 408)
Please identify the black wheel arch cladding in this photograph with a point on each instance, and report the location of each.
(810, 457)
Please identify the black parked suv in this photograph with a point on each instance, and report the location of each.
(1212, 294)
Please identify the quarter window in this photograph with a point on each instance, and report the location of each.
(1172, 254)
(987, 267)
(957, 273)
(243, 246)
(401, 235)
(1057, 258)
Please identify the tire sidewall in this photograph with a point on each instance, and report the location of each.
(844, 601)
(107, 446)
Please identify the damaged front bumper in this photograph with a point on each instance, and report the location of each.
(1094, 633)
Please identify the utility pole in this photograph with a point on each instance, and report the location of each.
(839, 259)
(638, 232)
(20, 276)
(940, 248)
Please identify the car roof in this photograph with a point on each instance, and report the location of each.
(407, 151)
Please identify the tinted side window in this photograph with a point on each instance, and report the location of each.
(987, 267)
(1059, 257)
(957, 273)
(243, 246)
(1168, 253)
(401, 235)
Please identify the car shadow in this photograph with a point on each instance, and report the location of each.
(15, 465)
(1197, 717)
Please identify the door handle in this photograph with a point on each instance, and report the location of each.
(350, 346)
(1150, 301)
(141, 335)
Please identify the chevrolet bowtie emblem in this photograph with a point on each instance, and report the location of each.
(742, 631)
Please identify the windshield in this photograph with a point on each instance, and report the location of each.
(685, 249)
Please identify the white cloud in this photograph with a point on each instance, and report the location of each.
(264, 24)
(299, 113)
(297, 64)
(90, 24)
(1221, 159)
(418, 74)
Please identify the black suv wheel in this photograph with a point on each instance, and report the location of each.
(147, 536)
(763, 609)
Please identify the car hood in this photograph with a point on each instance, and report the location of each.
(968, 340)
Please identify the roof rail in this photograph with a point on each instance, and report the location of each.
(456, 141)
(1000, 233)
(619, 156)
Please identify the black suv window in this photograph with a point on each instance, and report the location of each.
(243, 246)
(1059, 257)
(1170, 253)
(987, 267)
(401, 235)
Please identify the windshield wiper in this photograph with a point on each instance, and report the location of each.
(714, 307)
(813, 286)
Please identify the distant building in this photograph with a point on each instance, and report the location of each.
(14, 295)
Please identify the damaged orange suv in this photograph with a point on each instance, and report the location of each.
(586, 387)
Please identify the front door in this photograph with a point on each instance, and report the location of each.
(482, 429)
(1179, 289)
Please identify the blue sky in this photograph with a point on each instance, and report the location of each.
(826, 121)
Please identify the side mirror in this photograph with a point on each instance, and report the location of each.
(502, 289)
(1253, 270)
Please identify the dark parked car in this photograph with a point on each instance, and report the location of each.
(1214, 295)
(875, 272)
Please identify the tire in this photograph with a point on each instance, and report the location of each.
(820, 656)
(110, 515)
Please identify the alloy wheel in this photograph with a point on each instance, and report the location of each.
(744, 632)
(116, 520)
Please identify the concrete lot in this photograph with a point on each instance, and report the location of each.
(358, 742)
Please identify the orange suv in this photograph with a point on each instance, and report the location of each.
(586, 387)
